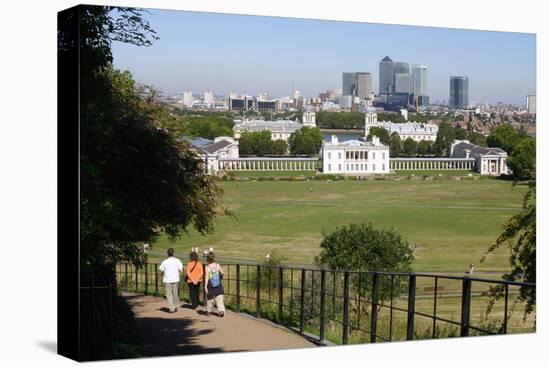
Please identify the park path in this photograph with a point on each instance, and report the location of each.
(190, 332)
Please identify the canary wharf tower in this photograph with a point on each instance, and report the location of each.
(386, 75)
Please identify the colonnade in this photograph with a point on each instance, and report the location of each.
(267, 164)
(432, 163)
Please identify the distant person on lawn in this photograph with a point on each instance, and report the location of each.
(193, 275)
(170, 270)
(213, 286)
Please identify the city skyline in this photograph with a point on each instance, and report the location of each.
(237, 53)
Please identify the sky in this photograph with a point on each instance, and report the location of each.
(251, 54)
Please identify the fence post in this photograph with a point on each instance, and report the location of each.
(322, 307)
(410, 308)
(137, 274)
(465, 310)
(280, 295)
(374, 309)
(258, 286)
(126, 276)
(345, 323)
(156, 281)
(146, 279)
(238, 276)
(302, 303)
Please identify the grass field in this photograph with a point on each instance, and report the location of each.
(435, 173)
(451, 222)
(273, 173)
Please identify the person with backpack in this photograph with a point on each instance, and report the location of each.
(193, 275)
(213, 286)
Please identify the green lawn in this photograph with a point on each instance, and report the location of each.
(451, 222)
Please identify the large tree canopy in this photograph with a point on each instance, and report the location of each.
(305, 141)
(137, 178)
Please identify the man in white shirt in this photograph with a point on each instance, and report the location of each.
(170, 270)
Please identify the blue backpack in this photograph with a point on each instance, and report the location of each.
(215, 278)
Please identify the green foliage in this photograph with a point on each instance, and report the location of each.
(410, 147)
(381, 133)
(520, 233)
(395, 145)
(477, 138)
(461, 134)
(208, 127)
(425, 148)
(305, 141)
(340, 120)
(505, 137)
(523, 160)
(136, 177)
(260, 144)
(126, 344)
(391, 116)
(445, 136)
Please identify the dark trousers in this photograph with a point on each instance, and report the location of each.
(194, 294)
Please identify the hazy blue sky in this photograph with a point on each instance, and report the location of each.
(252, 54)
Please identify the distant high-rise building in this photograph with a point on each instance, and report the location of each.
(420, 80)
(458, 94)
(348, 84)
(403, 83)
(532, 104)
(386, 74)
(399, 68)
(364, 85)
(188, 99)
(208, 98)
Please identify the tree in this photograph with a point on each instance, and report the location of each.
(260, 144)
(410, 147)
(395, 145)
(461, 134)
(137, 179)
(361, 247)
(445, 136)
(424, 147)
(477, 138)
(279, 147)
(381, 133)
(522, 161)
(504, 137)
(520, 234)
(209, 127)
(305, 141)
(340, 120)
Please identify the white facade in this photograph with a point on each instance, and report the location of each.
(208, 98)
(280, 129)
(489, 161)
(308, 117)
(413, 130)
(355, 157)
(532, 104)
(222, 148)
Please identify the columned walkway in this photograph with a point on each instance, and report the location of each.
(432, 164)
(269, 164)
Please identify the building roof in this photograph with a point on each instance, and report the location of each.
(213, 148)
(409, 127)
(459, 149)
(387, 58)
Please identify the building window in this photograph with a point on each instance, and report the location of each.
(357, 167)
(329, 167)
(367, 155)
(347, 167)
(339, 155)
(328, 156)
(383, 167)
(373, 155)
(339, 167)
(374, 167)
(384, 155)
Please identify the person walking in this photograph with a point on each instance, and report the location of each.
(193, 275)
(213, 286)
(170, 270)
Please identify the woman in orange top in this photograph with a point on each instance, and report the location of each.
(194, 272)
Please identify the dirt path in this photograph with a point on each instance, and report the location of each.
(190, 332)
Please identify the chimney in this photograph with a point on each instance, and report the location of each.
(375, 140)
(467, 151)
(334, 139)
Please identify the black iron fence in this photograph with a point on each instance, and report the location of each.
(358, 307)
(98, 314)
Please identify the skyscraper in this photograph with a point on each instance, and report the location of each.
(348, 84)
(400, 68)
(403, 83)
(458, 96)
(358, 84)
(386, 75)
(188, 98)
(364, 85)
(532, 104)
(420, 80)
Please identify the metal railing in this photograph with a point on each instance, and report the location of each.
(339, 306)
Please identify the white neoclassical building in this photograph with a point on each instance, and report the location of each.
(214, 151)
(414, 130)
(355, 157)
(488, 161)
